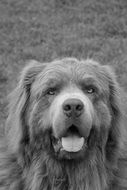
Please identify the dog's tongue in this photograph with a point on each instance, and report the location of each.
(72, 143)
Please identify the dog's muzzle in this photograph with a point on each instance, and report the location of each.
(72, 122)
(72, 108)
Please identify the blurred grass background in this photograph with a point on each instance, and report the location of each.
(48, 29)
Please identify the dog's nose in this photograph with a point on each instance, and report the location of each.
(73, 107)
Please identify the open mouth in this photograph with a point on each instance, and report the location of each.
(71, 143)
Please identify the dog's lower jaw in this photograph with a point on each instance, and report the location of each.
(60, 153)
(84, 146)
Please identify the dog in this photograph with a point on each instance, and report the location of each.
(65, 129)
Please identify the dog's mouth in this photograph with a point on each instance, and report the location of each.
(71, 145)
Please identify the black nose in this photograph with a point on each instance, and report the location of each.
(73, 107)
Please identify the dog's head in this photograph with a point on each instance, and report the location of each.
(68, 107)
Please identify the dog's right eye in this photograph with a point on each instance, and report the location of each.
(51, 91)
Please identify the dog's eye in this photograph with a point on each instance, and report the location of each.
(51, 91)
(90, 90)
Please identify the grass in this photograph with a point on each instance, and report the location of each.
(45, 30)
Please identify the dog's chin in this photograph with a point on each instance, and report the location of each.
(71, 146)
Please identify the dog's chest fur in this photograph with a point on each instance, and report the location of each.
(53, 175)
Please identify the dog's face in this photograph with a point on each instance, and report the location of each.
(71, 100)
(70, 107)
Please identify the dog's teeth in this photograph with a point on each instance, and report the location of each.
(72, 143)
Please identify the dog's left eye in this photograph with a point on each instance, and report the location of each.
(51, 91)
(90, 90)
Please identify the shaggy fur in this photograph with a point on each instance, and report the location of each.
(31, 156)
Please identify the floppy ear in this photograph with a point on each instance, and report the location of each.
(115, 131)
(16, 126)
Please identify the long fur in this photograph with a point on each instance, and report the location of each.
(26, 165)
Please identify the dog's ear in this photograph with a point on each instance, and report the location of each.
(115, 91)
(16, 127)
(115, 102)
